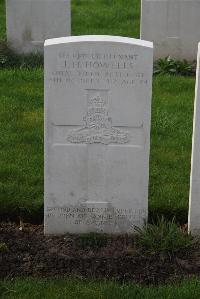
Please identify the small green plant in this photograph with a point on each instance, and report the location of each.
(3, 247)
(172, 66)
(163, 237)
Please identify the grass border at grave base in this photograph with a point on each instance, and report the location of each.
(99, 289)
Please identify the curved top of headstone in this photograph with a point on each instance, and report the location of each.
(98, 38)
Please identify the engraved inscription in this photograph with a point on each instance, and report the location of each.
(98, 125)
(95, 216)
(98, 68)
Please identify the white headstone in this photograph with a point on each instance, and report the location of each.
(194, 202)
(173, 26)
(97, 133)
(31, 22)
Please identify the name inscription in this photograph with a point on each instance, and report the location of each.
(97, 68)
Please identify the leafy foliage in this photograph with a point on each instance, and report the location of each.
(174, 67)
(163, 236)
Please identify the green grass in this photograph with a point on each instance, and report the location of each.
(171, 137)
(111, 17)
(21, 143)
(77, 289)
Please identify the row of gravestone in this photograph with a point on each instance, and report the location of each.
(97, 135)
(173, 25)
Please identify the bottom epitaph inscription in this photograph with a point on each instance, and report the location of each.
(99, 217)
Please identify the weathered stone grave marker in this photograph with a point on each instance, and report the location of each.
(194, 202)
(97, 136)
(173, 26)
(31, 22)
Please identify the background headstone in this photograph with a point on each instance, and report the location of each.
(173, 26)
(97, 133)
(194, 203)
(31, 22)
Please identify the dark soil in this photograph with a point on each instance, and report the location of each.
(28, 252)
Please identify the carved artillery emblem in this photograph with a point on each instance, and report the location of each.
(98, 125)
